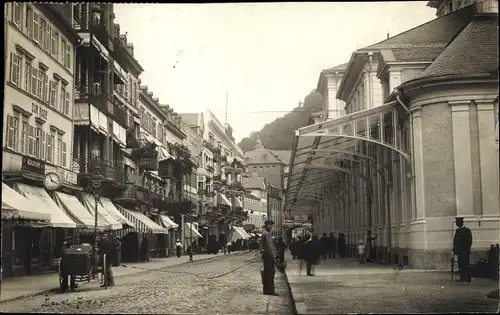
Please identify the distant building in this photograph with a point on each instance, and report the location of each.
(272, 164)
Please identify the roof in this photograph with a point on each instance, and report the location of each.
(422, 43)
(337, 68)
(254, 182)
(191, 119)
(473, 51)
(261, 156)
(437, 32)
(283, 155)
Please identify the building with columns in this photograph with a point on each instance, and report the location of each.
(328, 85)
(416, 147)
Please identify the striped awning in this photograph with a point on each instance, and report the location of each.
(142, 223)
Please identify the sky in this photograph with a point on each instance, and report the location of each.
(265, 57)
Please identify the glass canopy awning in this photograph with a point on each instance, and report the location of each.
(319, 150)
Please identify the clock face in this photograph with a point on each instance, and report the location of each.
(52, 181)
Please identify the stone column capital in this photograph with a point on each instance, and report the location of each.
(459, 105)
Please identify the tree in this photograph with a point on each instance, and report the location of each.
(278, 134)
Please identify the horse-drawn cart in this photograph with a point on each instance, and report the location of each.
(79, 266)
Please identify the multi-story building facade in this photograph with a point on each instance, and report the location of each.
(37, 136)
(409, 180)
(255, 202)
(328, 85)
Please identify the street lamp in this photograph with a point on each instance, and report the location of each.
(96, 182)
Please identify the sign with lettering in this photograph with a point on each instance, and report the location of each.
(33, 166)
(38, 110)
(148, 163)
(68, 177)
(301, 218)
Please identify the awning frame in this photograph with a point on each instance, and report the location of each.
(346, 129)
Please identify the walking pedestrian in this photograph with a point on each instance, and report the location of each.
(268, 259)
(280, 248)
(462, 243)
(312, 253)
(144, 251)
(105, 248)
(178, 248)
(325, 246)
(369, 246)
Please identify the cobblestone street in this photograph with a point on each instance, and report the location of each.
(227, 285)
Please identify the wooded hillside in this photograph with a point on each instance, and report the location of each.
(278, 134)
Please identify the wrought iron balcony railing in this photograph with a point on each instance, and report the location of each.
(107, 168)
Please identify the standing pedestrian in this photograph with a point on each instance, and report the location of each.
(462, 243)
(118, 252)
(369, 246)
(144, 249)
(105, 248)
(325, 246)
(280, 247)
(341, 245)
(178, 248)
(332, 241)
(268, 259)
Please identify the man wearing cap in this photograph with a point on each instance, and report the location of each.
(462, 243)
(268, 258)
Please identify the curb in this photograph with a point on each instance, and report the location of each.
(46, 291)
(290, 294)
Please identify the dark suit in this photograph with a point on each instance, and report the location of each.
(268, 259)
(462, 243)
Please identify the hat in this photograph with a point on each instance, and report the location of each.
(268, 222)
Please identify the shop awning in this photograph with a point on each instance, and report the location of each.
(16, 206)
(143, 223)
(38, 196)
(223, 199)
(163, 154)
(168, 223)
(191, 231)
(115, 213)
(106, 220)
(75, 208)
(240, 233)
(322, 150)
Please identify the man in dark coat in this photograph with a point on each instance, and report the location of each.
(268, 258)
(332, 241)
(312, 253)
(462, 243)
(105, 247)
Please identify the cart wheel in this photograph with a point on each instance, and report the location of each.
(72, 282)
(105, 272)
(61, 278)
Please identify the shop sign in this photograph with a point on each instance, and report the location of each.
(68, 177)
(148, 163)
(39, 111)
(301, 218)
(33, 166)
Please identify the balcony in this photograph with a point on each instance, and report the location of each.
(209, 168)
(132, 194)
(169, 169)
(144, 148)
(94, 94)
(110, 171)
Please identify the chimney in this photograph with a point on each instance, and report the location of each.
(130, 48)
(387, 35)
(156, 99)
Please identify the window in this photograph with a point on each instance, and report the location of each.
(50, 147)
(29, 21)
(43, 26)
(12, 131)
(131, 89)
(34, 80)
(65, 54)
(38, 141)
(36, 27)
(59, 149)
(45, 88)
(24, 136)
(64, 154)
(47, 39)
(27, 76)
(31, 141)
(66, 103)
(15, 69)
(39, 89)
(54, 43)
(17, 13)
(153, 129)
(43, 146)
(53, 94)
